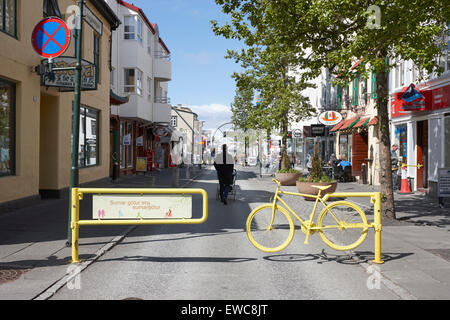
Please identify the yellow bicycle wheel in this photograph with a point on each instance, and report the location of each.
(342, 225)
(268, 232)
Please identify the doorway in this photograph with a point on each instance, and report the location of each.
(422, 154)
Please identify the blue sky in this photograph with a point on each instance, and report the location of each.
(201, 76)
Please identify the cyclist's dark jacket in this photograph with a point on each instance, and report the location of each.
(224, 166)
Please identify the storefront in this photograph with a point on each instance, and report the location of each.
(421, 130)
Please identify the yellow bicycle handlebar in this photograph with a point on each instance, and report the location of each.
(277, 182)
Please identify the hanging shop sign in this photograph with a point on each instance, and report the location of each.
(317, 130)
(330, 118)
(161, 131)
(65, 80)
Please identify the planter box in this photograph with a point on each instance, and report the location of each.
(307, 188)
(288, 179)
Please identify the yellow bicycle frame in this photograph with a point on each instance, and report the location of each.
(375, 198)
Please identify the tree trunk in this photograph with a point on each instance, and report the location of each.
(285, 163)
(385, 171)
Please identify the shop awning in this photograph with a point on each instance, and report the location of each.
(362, 123)
(349, 123)
(117, 100)
(336, 127)
(373, 121)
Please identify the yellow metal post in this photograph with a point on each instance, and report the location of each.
(75, 211)
(377, 227)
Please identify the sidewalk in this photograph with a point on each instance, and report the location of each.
(33, 252)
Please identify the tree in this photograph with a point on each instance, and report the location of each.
(340, 31)
(266, 74)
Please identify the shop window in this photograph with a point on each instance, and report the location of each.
(8, 17)
(7, 128)
(88, 152)
(401, 137)
(129, 148)
(343, 147)
(447, 141)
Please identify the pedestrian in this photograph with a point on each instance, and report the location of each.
(224, 165)
(395, 166)
(292, 160)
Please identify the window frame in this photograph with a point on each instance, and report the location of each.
(125, 33)
(3, 20)
(13, 133)
(174, 121)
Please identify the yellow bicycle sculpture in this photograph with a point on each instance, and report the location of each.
(342, 225)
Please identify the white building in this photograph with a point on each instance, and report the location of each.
(141, 69)
(421, 128)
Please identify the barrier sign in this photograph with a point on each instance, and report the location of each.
(142, 207)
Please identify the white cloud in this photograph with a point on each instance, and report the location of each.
(214, 115)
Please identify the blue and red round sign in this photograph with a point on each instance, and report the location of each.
(51, 37)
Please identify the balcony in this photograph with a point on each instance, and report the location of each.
(162, 110)
(162, 66)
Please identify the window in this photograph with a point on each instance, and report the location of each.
(133, 81)
(7, 129)
(139, 86)
(51, 8)
(139, 30)
(8, 12)
(373, 88)
(89, 139)
(130, 82)
(174, 121)
(130, 28)
(339, 97)
(133, 28)
(97, 57)
(355, 91)
(129, 147)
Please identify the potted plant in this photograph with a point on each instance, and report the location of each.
(286, 175)
(316, 178)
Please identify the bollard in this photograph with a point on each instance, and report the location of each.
(377, 227)
(364, 173)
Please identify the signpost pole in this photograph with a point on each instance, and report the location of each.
(74, 178)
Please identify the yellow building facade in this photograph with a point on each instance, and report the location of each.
(36, 120)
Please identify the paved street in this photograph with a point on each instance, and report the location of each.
(216, 261)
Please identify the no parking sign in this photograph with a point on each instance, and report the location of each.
(50, 37)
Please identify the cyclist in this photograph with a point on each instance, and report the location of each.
(224, 165)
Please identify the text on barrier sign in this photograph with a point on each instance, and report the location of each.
(142, 206)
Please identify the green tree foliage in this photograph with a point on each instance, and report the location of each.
(336, 33)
